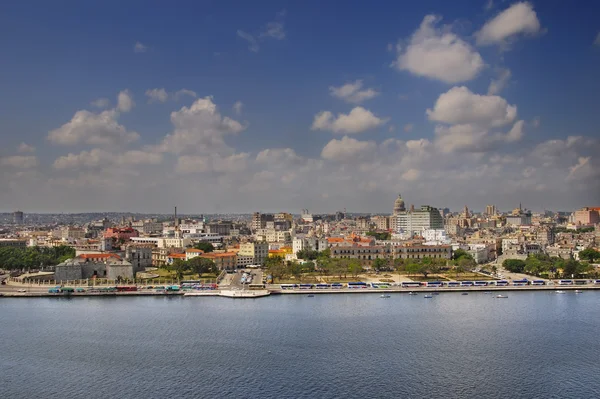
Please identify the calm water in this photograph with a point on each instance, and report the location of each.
(531, 345)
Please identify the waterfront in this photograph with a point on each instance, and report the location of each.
(533, 344)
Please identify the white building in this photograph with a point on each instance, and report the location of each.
(163, 242)
(311, 243)
(415, 221)
(435, 235)
(479, 252)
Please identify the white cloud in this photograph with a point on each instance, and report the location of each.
(184, 92)
(519, 18)
(275, 29)
(125, 101)
(277, 156)
(98, 157)
(237, 107)
(516, 133)
(199, 127)
(439, 54)
(408, 127)
(212, 163)
(101, 103)
(252, 42)
(347, 149)
(597, 40)
(19, 161)
(352, 93)
(357, 121)
(23, 147)
(157, 95)
(497, 85)
(411, 175)
(460, 106)
(473, 138)
(139, 48)
(95, 129)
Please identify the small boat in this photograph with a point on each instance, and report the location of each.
(311, 295)
(487, 292)
(501, 296)
(559, 292)
(578, 292)
(385, 296)
(465, 293)
(412, 293)
(428, 296)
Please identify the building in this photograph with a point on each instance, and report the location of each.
(258, 250)
(259, 220)
(139, 255)
(222, 228)
(490, 210)
(223, 260)
(11, 242)
(479, 252)
(399, 206)
(18, 217)
(381, 222)
(172, 257)
(586, 216)
(523, 219)
(147, 226)
(310, 243)
(411, 251)
(121, 234)
(435, 235)
(415, 221)
(191, 253)
(163, 242)
(72, 233)
(108, 266)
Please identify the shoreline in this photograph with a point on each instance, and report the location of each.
(299, 292)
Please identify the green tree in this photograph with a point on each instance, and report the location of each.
(413, 268)
(276, 267)
(205, 247)
(461, 253)
(589, 254)
(180, 267)
(514, 265)
(379, 264)
(200, 265)
(354, 267)
(307, 254)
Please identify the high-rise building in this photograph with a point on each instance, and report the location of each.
(587, 216)
(418, 220)
(490, 210)
(18, 217)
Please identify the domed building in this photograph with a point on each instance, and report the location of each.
(399, 205)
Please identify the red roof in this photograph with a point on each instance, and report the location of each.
(98, 256)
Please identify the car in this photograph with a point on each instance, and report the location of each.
(21, 290)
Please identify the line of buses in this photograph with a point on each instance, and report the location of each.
(433, 284)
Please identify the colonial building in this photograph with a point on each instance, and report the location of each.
(83, 267)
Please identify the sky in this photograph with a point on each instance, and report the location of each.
(236, 106)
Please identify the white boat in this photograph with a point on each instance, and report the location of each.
(578, 292)
(428, 296)
(560, 292)
(501, 296)
(412, 293)
(244, 293)
(385, 296)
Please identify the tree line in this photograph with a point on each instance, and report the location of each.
(197, 265)
(34, 257)
(542, 265)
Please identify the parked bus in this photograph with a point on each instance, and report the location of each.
(580, 282)
(501, 283)
(480, 283)
(565, 282)
(323, 286)
(358, 284)
(256, 286)
(337, 285)
(307, 286)
(411, 284)
(538, 282)
(520, 283)
(467, 283)
(288, 286)
(437, 284)
(126, 288)
(380, 285)
(452, 284)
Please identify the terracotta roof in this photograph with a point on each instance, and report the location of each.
(182, 256)
(219, 255)
(98, 256)
(194, 250)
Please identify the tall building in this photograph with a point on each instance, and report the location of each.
(259, 220)
(490, 210)
(258, 250)
(18, 217)
(587, 216)
(399, 205)
(414, 220)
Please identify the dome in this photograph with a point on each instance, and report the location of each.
(399, 205)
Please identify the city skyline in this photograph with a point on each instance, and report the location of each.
(277, 106)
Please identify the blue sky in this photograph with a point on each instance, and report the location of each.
(283, 61)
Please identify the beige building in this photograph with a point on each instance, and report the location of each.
(586, 216)
(258, 250)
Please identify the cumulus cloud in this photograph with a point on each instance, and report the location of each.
(252, 42)
(99, 157)
(212, 163)
(499, 83)
(438, 54)
(200, 127)
(277, 156)
(184, 92)
(275, 29)
(353, 92)
(101, 103)
(460, 106)
(95, 129)
(125, 101)
(139, 48)
(347, 149)
(19, 161)
(23, 147)
(157, 95)
(518, 19)
(357, 121)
